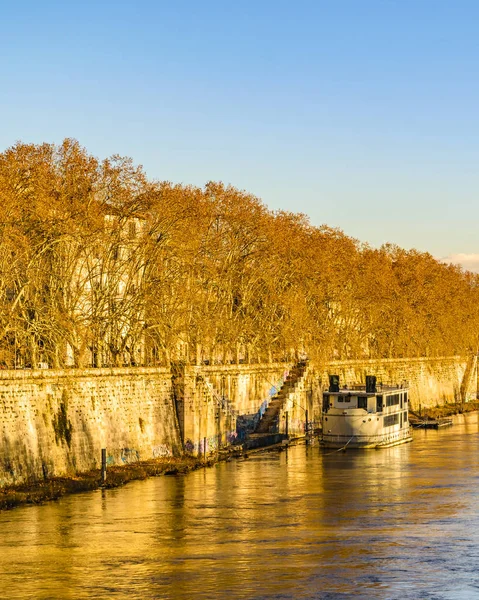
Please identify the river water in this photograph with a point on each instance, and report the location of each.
(303, 523)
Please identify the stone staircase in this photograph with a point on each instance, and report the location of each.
(269, 420)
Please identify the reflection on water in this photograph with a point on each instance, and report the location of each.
(305, 523)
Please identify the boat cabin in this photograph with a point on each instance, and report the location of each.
(368, 415)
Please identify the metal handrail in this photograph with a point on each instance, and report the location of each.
(221, 401)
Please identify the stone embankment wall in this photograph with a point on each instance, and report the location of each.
(432, 381)
(303, 404)
(56, 422)
(218, 403)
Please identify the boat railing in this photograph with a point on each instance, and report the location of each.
(380, 387)
(403, 433)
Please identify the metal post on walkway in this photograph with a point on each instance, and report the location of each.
(103, 466)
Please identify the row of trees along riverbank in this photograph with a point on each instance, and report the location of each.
(99, 265)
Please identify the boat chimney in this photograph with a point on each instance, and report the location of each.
(334, 383)
(370, 384)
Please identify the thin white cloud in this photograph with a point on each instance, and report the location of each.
(469, 262)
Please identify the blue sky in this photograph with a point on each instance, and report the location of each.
(362, 114)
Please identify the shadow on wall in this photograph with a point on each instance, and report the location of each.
(246, 424)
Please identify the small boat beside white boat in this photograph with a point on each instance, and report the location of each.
(365, 416)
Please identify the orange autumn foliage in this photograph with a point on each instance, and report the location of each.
(101, 266)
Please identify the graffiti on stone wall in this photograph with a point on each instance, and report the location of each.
(129, 455)
(232, 436)
(161, 451)
(210, 444)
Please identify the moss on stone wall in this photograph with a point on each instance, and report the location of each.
(61, 423)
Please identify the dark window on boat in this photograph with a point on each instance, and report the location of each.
(402, 400)
(392, 400)
(325, 403)
(405, 418)
(347, 398)
(405, 397)
(363, 403)
(379, 403)
(400, 421)
(391, 420)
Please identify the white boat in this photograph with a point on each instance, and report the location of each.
(365, 416)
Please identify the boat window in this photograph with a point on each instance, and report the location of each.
(405, 417)
(392, 400)
(390, 420)
(362, 403)
(405, 397)
(326, 403)
(347, 399)
(400, 420)
(379, 403)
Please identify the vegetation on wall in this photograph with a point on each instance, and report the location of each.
(101, 266)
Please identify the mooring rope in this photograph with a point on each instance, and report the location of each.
(339, 449)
